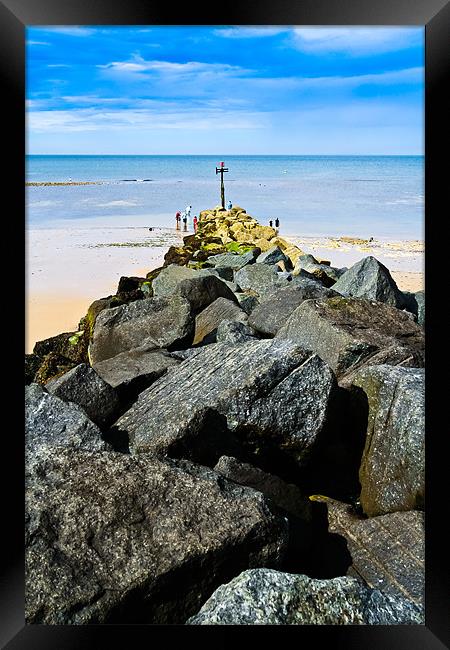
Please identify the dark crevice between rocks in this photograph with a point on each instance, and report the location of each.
(210, 439)
(180, 593)
(333, 466)
(329, 556)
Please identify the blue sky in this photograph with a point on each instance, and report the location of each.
(225, 90)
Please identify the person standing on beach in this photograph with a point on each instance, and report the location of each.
(229, 205)
(195, 223)
(271, 223)
(277, 224)
(184, 222)
(187, 212)
(178, 219)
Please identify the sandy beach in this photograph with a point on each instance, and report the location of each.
(67, 269)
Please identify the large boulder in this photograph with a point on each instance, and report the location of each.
(328, 275)
(83, 386)
(162, 322)
(263, 279)
(51, 421)
(271, 396)
(273, 312)
(370, 279)
(132, 371)
(350, 332)
(203, 290)
(170, 277)
(208, 320)
(269, 597)
(388, 552)
(233, 261)
(112, 538)
(392, 472)
(272, 256)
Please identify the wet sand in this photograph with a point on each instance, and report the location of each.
(67, 269)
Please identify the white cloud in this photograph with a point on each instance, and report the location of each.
(355, 40)
(249, 32)
(58, 65)
(138, 64)
(78, 120)
(72, 30)
(37, 43)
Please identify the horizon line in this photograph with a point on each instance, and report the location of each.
(174, 155)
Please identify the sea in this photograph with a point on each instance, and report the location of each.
(361, 196)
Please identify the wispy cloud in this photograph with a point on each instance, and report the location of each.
(82, 120)
(70, 31)
(58, 65)
(354, 40)
(38, 43)
(249, 32)
(138, 64)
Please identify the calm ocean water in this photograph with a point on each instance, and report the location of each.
(365, 196)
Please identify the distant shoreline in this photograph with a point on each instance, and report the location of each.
(46, 183)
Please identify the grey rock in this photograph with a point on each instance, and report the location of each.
(233, 260)
(132, 371)
(203, 290)
(272, 256)
(415, 303)
(161, 322)
(234, 332)
(208, 320)
(392, 472)
(224, 272)
(273, 312)
(112, 538)
(269, 394)
(269, 597)
(83, 386)
(350, 332)
(263, 279)
(388, 552)
(323, 272)
(247, 301)
(51, 421)
(370, 279)
(169, 278)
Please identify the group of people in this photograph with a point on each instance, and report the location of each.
(185, 217)
(277, 223)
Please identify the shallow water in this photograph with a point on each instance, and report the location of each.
(362, 196)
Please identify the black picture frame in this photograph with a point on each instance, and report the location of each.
(15, 15)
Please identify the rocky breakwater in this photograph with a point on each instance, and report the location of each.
(227, 440)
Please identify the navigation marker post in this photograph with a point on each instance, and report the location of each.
(220, 170)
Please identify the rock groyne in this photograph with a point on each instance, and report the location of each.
(227, 420)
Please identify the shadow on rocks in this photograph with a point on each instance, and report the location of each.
(333, 467)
